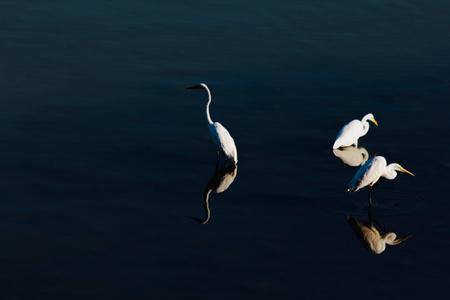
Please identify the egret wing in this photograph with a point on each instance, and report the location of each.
(349, 134)
(368, 174)
(224, 141)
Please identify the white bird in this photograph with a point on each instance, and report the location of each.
(372, 171)
(351, 132)
(369, 236)
(221, 137)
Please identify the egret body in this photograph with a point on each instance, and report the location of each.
(372, 171)
(351, 132)
(221, 137)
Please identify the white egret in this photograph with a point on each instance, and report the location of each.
(372, 171)
(351, 132)
(221, 137)
(371, 238)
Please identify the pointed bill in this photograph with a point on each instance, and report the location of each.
(194, 87)
(375, 122)
(406, 171)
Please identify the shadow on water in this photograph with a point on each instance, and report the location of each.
(370, 237)
(219, 182)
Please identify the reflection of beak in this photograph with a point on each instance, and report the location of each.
(406, 171)
(375, 122)
(398, 241)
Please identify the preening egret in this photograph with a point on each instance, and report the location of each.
(219, 182)
(370, 173)
(351, 132)
(371, 238)
(221, 137)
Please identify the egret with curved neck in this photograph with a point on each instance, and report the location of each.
(221, 137)
(371, 172)
(351, 132)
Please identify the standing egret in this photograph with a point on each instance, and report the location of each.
(221, 137)
(370, 173)
(351, 132)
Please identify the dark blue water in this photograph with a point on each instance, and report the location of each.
(105, 153)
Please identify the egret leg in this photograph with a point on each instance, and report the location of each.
(377, 183)
(370, 197)
(382, 228)
(217, 163)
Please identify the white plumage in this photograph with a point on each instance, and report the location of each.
(351, 132)
(220, 135)
(372, 170)
(223, 141)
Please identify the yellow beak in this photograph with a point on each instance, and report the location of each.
(406, 171)
(375, 122)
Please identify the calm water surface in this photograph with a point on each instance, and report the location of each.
(105, 153)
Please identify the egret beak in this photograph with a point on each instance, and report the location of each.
(194, 87)
(406, 171)
(375, 122)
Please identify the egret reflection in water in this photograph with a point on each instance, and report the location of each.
(219, 182)
(352, 156)
(370, 237)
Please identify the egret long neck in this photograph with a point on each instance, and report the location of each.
(390, 172)
(208, 117)
(365, 126)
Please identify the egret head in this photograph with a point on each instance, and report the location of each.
(398, 168)
(392, 169)
(370, 117)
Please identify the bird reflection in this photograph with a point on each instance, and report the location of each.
(218, 183)
(352, 156)
(370, 237)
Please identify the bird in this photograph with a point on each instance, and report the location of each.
(221, 137)
(370, 173)
(351, 132)
(371, 238)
